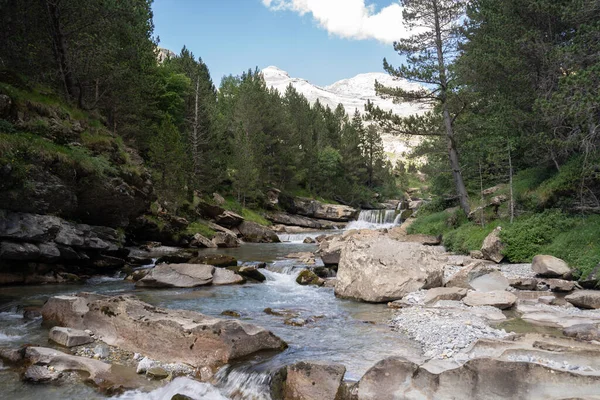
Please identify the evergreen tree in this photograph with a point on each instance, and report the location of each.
(428, 53)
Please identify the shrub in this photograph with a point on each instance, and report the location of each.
(467, 237)
(201, 228)
(528, 236)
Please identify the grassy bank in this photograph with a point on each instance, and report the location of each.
(571, 238)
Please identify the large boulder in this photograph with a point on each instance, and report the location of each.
(313, 380)
(223, 276)
(256, 233)
(225, 240)
(493, 247)
(379, 269)
(497, 298)
(229, 219)
(178, 275)
(293, 220)
(583, 331)
(585, 299)
(32, 244)
(69, 337)
(171, 336)
(331, 212)
(483, 378)
(469, 273)
(550, 267)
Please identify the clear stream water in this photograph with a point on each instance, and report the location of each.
(351, 333)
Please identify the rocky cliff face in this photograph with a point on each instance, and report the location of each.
(47, 249)
(66, 184)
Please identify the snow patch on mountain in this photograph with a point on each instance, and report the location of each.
(352, 94)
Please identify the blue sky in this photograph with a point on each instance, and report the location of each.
(319, 40)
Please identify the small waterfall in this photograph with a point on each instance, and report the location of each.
(182, 385)
(374, 219)
(244, 383)
(298, 237)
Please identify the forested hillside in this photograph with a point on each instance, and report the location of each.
(513, 89)
(517, 108)
(240, 139)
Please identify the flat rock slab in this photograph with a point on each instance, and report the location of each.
(178, 275)
(171, 336)
(499, 299)
(69, 337)
(483, 378)
(556, 317)
(444, 293)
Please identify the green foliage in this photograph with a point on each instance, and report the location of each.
(201, 228)
(249, 215)
(438, 223)
(467, 237)
(578, 246)
(529, 235)
(29, 149)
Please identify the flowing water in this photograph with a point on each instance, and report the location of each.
(341, 331)
(376, 219)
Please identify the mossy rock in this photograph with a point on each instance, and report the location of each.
(308, 277)
(249, 272)
(218, 260)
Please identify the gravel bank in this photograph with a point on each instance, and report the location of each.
(443, 333)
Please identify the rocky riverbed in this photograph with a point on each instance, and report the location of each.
(449, 319)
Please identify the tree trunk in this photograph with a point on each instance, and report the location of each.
(195, 131)
(452, 152)
(510, 174)
(60, 48)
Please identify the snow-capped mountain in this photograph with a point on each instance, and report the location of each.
(353, 94)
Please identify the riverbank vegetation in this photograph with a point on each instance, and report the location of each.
(522, 94)
(239, 139)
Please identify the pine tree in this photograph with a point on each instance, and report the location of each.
(428, 53)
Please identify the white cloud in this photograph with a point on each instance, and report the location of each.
(351, 19)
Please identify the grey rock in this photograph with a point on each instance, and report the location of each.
(225, 240)
(178, 275)
(69, 337)
(444, 293)
(19, 251)
(174, 336)
(255, 233)
(379, 269)
(550, 266)
(583, 331)
(497, 298)
(493, 247)
(102, 350)
(229, 219)
(585, 299)
(313, 380)
(40, 373)
(223, 276)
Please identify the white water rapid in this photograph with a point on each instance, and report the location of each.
(376, 219)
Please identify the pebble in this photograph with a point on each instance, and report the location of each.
(514, 271)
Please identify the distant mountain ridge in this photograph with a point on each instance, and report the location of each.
(353, 94)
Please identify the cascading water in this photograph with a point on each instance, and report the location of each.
(298, 237)
(375, 219)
